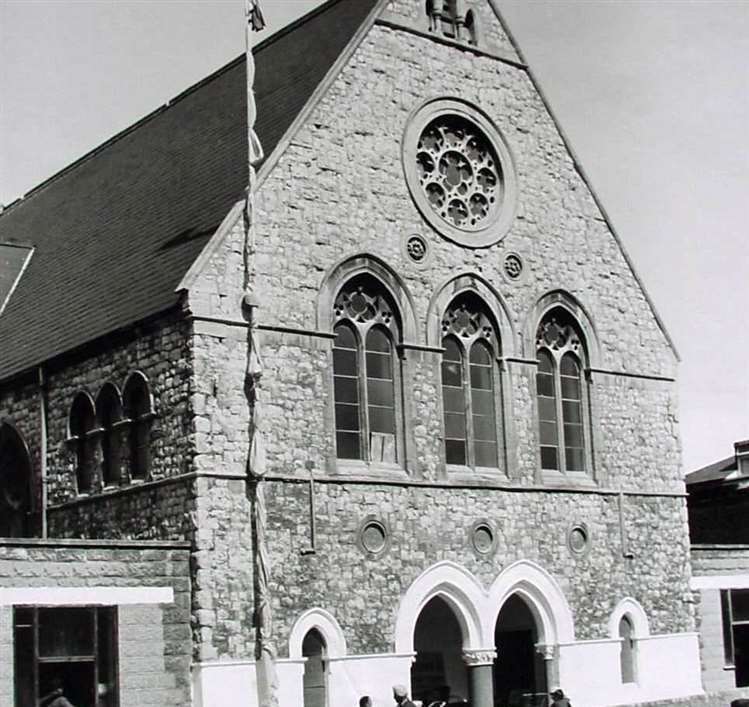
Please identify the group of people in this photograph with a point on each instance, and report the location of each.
(442, 697)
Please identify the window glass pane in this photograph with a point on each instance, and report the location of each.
(574, 458)
(573, 435)
(346, 416)
(484, 428)
(740, 604)
(381, 419)
(344, 362)
(545, 364)
(480, 354)
(379, 366)
(569, 367)
(548, 432)
(547, 410)
(453, 400)
(570, 388)
(455, 426)
(346, 390)
(545, 385)
(486, 453)
(549, 458)
(455, 451)
(571, 411)
(483, 402)
(452, 350)
(66, 632)
(380, 392)
(348, 445)
(382, 447)
(345, 338)
(378, 340)
(481, 377)
(452, 374)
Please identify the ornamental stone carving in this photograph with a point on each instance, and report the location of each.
(480, 656)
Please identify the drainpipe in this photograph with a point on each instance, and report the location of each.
(42, 381)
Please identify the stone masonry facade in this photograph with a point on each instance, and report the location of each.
(338, 191)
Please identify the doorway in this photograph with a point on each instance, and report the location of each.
(519, 670)
(315, 682)
(438, 642)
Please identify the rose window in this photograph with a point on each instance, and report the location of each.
(459, 172)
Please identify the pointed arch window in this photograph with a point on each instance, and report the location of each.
(627, 649)
(560, 394)
(16, 486)
(139, 411)
(470, 385)
(82, 428)
(109, 418)
(365, 373)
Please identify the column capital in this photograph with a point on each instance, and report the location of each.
(547, 650)
(479, 656)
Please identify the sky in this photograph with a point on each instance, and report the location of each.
(652, 95)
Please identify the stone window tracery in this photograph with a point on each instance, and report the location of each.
(365, 373)
(460, 172)
(560, 393)
(469, 385)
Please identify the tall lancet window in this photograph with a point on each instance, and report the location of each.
(560, 393)
(470, 384)
(365, 373)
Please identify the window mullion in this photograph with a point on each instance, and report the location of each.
(560, 416)
(467, 397)
(363, 396)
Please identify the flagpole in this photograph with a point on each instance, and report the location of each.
(267, 683)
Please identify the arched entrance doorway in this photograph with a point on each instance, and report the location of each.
(315, 682)
(519, 670)
(438, 643)
(16, 503)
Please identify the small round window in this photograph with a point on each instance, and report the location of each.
(459, 172)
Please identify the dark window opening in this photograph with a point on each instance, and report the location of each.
(82, 426)
(735, 609)
(109, 416)
(17, 519)
(69, 651)
(139, 412)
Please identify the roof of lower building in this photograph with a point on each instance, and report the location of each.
(716, 471)
(114, 233)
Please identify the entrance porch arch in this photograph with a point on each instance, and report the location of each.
(458, 588)
(543, 595)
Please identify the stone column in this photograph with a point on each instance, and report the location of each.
(547, 651)
(480, 664)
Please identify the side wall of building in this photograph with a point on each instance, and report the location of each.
(154, 639)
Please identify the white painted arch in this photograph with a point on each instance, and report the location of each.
(477, 610)
(541, 593)
(326, 625)
(458, 588)
(633, 610)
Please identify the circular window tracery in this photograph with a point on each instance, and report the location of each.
(460, 172)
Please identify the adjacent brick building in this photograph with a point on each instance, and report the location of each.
(467, 411)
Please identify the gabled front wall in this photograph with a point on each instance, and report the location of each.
(338, 193)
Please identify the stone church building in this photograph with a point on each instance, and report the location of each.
(467, 404)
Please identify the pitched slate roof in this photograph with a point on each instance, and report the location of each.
(115, 232)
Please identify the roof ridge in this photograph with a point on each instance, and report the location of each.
(282, 32)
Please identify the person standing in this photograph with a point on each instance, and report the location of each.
(400, 694)
(559, 699)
